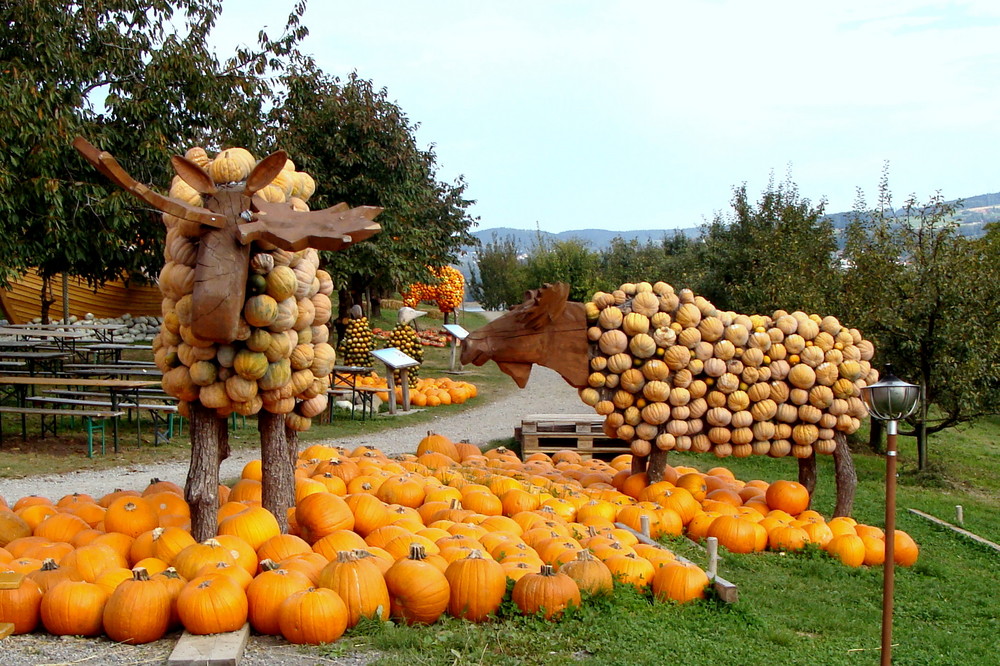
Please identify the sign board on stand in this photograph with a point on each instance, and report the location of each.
(457, 334)
(395, 359)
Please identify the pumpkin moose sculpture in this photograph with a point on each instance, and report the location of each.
(670, 372)
(245, 308)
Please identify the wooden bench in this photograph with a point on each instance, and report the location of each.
(89, 416)
(161, 414)
(584, 433)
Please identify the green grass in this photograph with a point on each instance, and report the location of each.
(797, 609)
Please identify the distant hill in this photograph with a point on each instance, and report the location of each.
(976, 213)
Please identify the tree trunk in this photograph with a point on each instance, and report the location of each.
(922, 434)
(847, 477)
(875, 436)
(639, 463)
(657, 462)
(209, 438)
(344, 304)
(65, 298)
(277, 468)
(807, 473)
(46, 297)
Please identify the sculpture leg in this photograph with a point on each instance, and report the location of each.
(847, 477)
(657, 462)
(209, 438)
(277, 470)
(639, 464)
(807, 473)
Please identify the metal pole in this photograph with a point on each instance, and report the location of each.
(890, 542)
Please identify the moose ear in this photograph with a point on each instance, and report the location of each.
(543, 305)
(193, 175)
(265, 171)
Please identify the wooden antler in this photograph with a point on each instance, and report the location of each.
(543, 305)
(330, 229)
(108, 165)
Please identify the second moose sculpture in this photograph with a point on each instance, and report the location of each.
(670, 372)
(245, 307)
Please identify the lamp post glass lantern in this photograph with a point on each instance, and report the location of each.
(889, 400)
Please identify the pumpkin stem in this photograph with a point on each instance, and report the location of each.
(49, 564)
(140, 573)
(170, 572)
(547, 570)
(346, 556)
(417, 551)
(269, 565)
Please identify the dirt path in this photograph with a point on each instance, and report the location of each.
(546, 392)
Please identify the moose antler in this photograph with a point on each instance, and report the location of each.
(329, 229)
(544, 305)
(108, 165)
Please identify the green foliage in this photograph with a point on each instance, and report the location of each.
(498, 280)
(362, 147)
(775, 254)
(122, 74)
(927, 298)
(672, 260)
(569, 261)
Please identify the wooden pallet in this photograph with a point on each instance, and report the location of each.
(583, 433)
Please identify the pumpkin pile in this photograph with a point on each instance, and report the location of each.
(411, 539)
(281, 361)
(427, 392)
(669, 371)
(356, 345)
(448, 293)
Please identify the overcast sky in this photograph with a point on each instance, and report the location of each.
(638, 114)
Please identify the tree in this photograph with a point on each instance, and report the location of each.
(775, 254)
(498, 281)
(364, 147)
(569, 261)
(672, 260)
(926, 297)
(163, 90)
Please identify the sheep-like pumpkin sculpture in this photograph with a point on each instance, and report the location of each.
(447, 293)
(671, 372)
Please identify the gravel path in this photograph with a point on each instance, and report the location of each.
(546, 392)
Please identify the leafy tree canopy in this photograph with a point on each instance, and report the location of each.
(119, 73)
(363, 149)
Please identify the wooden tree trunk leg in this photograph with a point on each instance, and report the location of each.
(277, 470)
(657, 462)
(639, 464)
(807, 473)
(208, 432)
(847, 477)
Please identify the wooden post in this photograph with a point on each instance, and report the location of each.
(404, 382)
(390, 383)
(847, 477)
(277, 468)
(644, 525)
(712, 543)
(959, 514)
(209, 437)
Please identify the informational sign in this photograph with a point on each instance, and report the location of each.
(394, 358)
(457, 331)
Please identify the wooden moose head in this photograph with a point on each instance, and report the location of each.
(231, 219)
(546, 329)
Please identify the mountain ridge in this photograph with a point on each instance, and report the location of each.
(975, 213)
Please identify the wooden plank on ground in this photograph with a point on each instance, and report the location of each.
(6, 629)
(959, 530)
(726, 591)
(212, 650)
(10, 580)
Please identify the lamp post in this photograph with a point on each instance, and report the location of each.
(890, 400)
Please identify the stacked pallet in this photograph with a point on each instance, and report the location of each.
(548, 433)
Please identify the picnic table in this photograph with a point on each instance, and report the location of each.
(48, 361)
(17, 387)
(65, 340)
